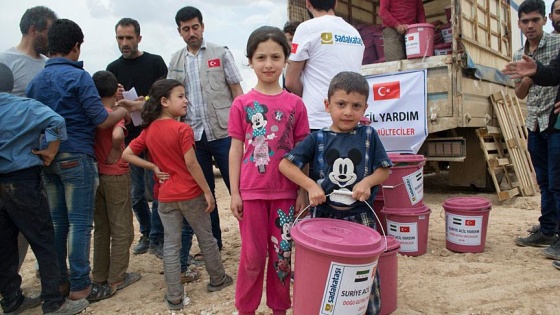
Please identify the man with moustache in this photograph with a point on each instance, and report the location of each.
(139, 69)
(26, 60)
(28, 57)
(554, 16)
(211, 82)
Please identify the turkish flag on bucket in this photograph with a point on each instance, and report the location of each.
(387, 91)
(405, 229)
(470, 222)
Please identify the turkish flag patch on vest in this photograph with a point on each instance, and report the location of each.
(214, 63)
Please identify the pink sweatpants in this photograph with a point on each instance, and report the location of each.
(265, 229)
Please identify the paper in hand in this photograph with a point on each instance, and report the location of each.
(135, 115)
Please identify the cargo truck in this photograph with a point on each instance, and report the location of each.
(483, 36)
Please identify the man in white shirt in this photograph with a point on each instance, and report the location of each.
(321, 48)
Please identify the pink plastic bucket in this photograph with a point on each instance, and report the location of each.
(442, 49)
(466, 223)
(419, 40)
(388, 276)
(409, 228)
(378, 205)
(447, 33)
(405, 186)
(335, 262)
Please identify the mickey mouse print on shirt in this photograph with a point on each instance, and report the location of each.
(343, 169)
(256, 116)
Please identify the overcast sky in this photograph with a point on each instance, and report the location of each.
(227, 22)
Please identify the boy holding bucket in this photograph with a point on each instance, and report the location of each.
(348, 161)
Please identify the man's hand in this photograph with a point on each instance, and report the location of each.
(402, 28)
(557, 108)
(45, 155)
(120, 90)
(525, 67)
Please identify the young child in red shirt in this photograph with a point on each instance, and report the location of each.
(113, 227)
(183, 190)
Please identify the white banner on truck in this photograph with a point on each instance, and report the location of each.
(397, 109)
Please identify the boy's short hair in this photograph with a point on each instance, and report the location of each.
(529, 6)
(6, 79)
(323, 5)
(290, 27)
(63, 35)
(106, 83)
(349, 82)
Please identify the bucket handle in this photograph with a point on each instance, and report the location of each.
(392, 187)
(298, 218)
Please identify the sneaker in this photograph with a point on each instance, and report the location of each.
(70, 307)
(191, 275)
(536, 240)
(156, 250)
(227, 282)
(556, 264)
(28, 302)
(553, 251)
(142, 247)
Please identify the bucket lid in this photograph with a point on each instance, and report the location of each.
(338, 238)
(407, 211)
(392, 243)
(406, 158)
(443, 46)
(412, 26)
(467, 204)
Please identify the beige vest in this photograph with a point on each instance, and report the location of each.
(215, 89)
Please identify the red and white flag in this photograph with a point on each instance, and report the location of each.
(214, 63)
(386, 91)
(294, 48)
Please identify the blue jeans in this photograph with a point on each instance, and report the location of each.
(544, 149)
(205, 150)
(149, 221)
(24, 208)
(71, 182)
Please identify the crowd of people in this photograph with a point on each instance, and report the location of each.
(75, 160)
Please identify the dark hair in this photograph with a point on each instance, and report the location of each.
(187, 13)
(63, 35)
(529, 6)
(38, 17)
(349, 82)
(152, 109)
(323, 5)
(264, 33)
(6, 79)
(106, 83)
(290, 27)
(128, 22)
(552, 6)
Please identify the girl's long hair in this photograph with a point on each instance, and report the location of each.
(152, 108)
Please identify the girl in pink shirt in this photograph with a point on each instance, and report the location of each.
(265, 124)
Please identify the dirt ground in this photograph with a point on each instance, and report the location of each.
(504, 279)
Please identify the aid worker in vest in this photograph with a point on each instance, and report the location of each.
(211, 82)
